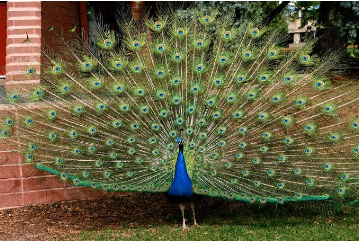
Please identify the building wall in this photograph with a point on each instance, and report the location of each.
(23, 19)
(63, 16)
(22, 184)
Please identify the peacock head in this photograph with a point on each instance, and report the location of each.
(180, 141)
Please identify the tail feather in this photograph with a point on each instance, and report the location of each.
(258, 124)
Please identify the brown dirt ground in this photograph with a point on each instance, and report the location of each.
(66, 219)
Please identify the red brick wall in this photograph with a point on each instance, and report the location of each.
(23, 19)
(22, 184)
(63, 15)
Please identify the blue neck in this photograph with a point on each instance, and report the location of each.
(182, 184)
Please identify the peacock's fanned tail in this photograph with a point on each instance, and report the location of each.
(259, 124)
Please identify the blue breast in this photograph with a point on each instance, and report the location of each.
(182, 184)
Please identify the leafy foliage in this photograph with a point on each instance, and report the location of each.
(256, 11)
(346, 18)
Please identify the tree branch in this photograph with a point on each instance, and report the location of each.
(274, 13)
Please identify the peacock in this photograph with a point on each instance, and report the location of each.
(189, 107)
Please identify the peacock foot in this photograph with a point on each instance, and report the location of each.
(185, 228)
(195, 225)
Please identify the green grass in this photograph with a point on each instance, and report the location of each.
(239, 222)
(274, 229)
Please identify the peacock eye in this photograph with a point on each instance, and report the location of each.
(117, 64)
(160, 47)
(56, 68)
(107, 42)
(305, 58)
(255, 31)
(318, 84)
(136, 43)
(158, 25)
(180, 31)
(207, 19)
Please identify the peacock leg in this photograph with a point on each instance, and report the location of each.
(194, 213)
(184, 227)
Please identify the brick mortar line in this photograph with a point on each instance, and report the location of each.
(18, 178)
(50, 189)
(40, 190)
